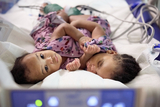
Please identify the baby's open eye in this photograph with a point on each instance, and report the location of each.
(46, 68)
(42, 56)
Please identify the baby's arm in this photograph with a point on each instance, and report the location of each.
(66, 29)
(93, 27)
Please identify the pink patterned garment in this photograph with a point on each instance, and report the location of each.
(66, 46)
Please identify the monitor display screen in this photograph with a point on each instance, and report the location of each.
(74, 98)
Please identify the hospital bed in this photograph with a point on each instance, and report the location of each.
(15, 41)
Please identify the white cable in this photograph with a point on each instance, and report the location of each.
(121, 22)
(151, 22)
(143, 25)
(133, 29)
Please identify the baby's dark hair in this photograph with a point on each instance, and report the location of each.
(20, 71)
(127, 68)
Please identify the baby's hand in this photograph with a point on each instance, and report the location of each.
(72, 66)
(83, 40)
(91, 49)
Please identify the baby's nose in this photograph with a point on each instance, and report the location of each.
(49, 60)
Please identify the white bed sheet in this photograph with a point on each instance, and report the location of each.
(25, 19)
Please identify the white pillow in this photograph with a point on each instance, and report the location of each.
(148, 77)
(77, 79)
(11, 33)
(6, 79)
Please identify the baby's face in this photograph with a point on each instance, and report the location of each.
(102, 64)
(41, 64)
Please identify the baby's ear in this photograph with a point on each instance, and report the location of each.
(111, 52)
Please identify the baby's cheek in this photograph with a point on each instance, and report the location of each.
(92, 69)
(105, 74)
(53, 69)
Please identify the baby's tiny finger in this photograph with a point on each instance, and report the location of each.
(68, 67)
(72, 66)
(78, 64)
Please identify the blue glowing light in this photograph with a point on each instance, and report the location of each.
(119, 105)
(92, 101)
(31, 105)
(107, 105)
(53, 101)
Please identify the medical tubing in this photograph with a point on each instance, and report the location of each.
(138, 27)
(131, 25)
(143, 24)
(153, 19)
(149, 23)
(121, 22)
(143, 37)
(133, 29)
(116, 18)
(143, 21)
(142, 18)
(31, 7)
(88, 7)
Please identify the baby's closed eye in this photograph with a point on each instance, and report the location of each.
(100, 63)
